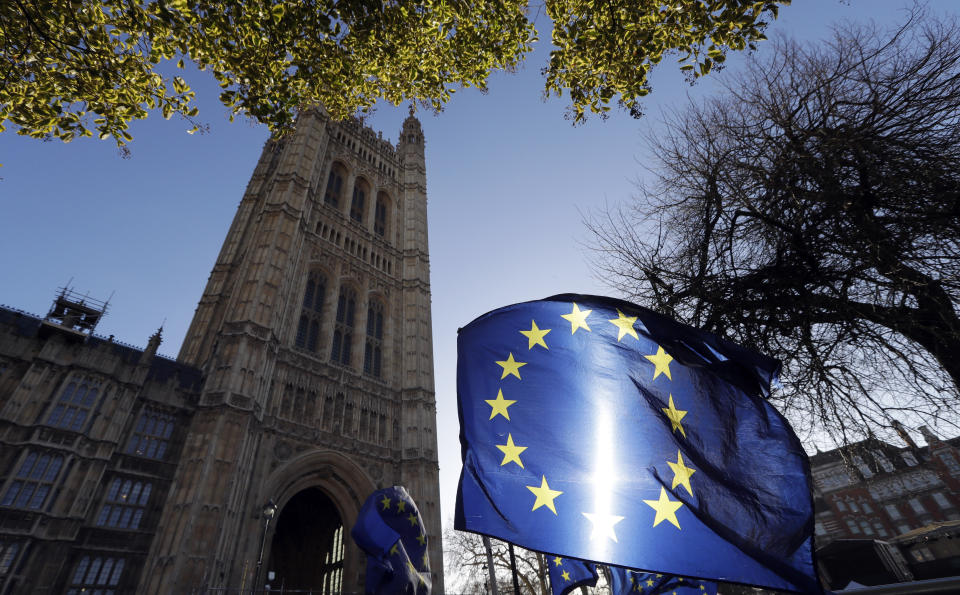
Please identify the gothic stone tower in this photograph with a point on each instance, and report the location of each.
(314, 336)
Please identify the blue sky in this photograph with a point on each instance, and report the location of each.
(509, 181)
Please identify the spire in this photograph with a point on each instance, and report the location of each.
(152, 344)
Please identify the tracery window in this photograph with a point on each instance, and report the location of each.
(308, 329)
(380, 215)
(373, 353)
(92, 574)
(77, 399)
(334, 185)
(360, 191)
(124, 504)
(343, 328)
(33, 481)
(151, 436)
(8, 553)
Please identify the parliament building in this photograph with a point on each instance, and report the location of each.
(304, 383)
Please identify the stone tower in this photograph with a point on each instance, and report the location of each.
(314, 338)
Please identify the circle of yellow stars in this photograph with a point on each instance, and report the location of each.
(385, 506)
(664, 508)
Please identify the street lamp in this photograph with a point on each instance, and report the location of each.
(269, 510)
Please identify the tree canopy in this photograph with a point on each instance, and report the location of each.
(74, 67)
(812, 212)
(466, 561)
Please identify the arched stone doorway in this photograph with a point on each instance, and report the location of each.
(326, 480)
(307, 549)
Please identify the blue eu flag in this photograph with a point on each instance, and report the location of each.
(567, 574)
(391, 532)
(624, 581)
(599, 430)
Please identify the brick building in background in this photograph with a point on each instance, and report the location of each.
(886, 513)
(306, 378)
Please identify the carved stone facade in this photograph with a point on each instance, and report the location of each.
(306, 378)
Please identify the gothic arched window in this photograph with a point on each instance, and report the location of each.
(308, 329)
(360, 191)
(343, 328)
(75, 404)
(334, 185)
(373, 353)
(380, 216)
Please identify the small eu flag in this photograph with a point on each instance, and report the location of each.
(567, 574)
(624, 581)
(599, 430)
(389, 529)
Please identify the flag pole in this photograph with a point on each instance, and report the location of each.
(513, 569)
(493, 575)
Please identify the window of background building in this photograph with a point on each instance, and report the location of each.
(151, 436)
(867, 529)
(883, 461)
(917, 506)
(864, 469)
(819, 529)
(866, 507)
(92, 574)
(840, 505)
(308, 330)
(892, 511)
(951, 463)
(903, 528)
(73, 408)
(33, 481)
(124, 504)
(881, 530)
(8, 553)
(852, 525)
(853, 506)
(908, 458)
(941, 500)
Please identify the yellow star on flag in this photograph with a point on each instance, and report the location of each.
(577, 318)
(624, 325)
(426, 561)
(545, 496)
(413, 519)
(675, 415)
(535, 335)
(661, 362)
(666, 509)
(565, 575)
(603, 525)
(511, 452)
(401, 506)
(649, 582)
(499, 405)
(558, 561)
(394, 551)
(511, 367)
(385, 502)
(422, 539)
(681, 473)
